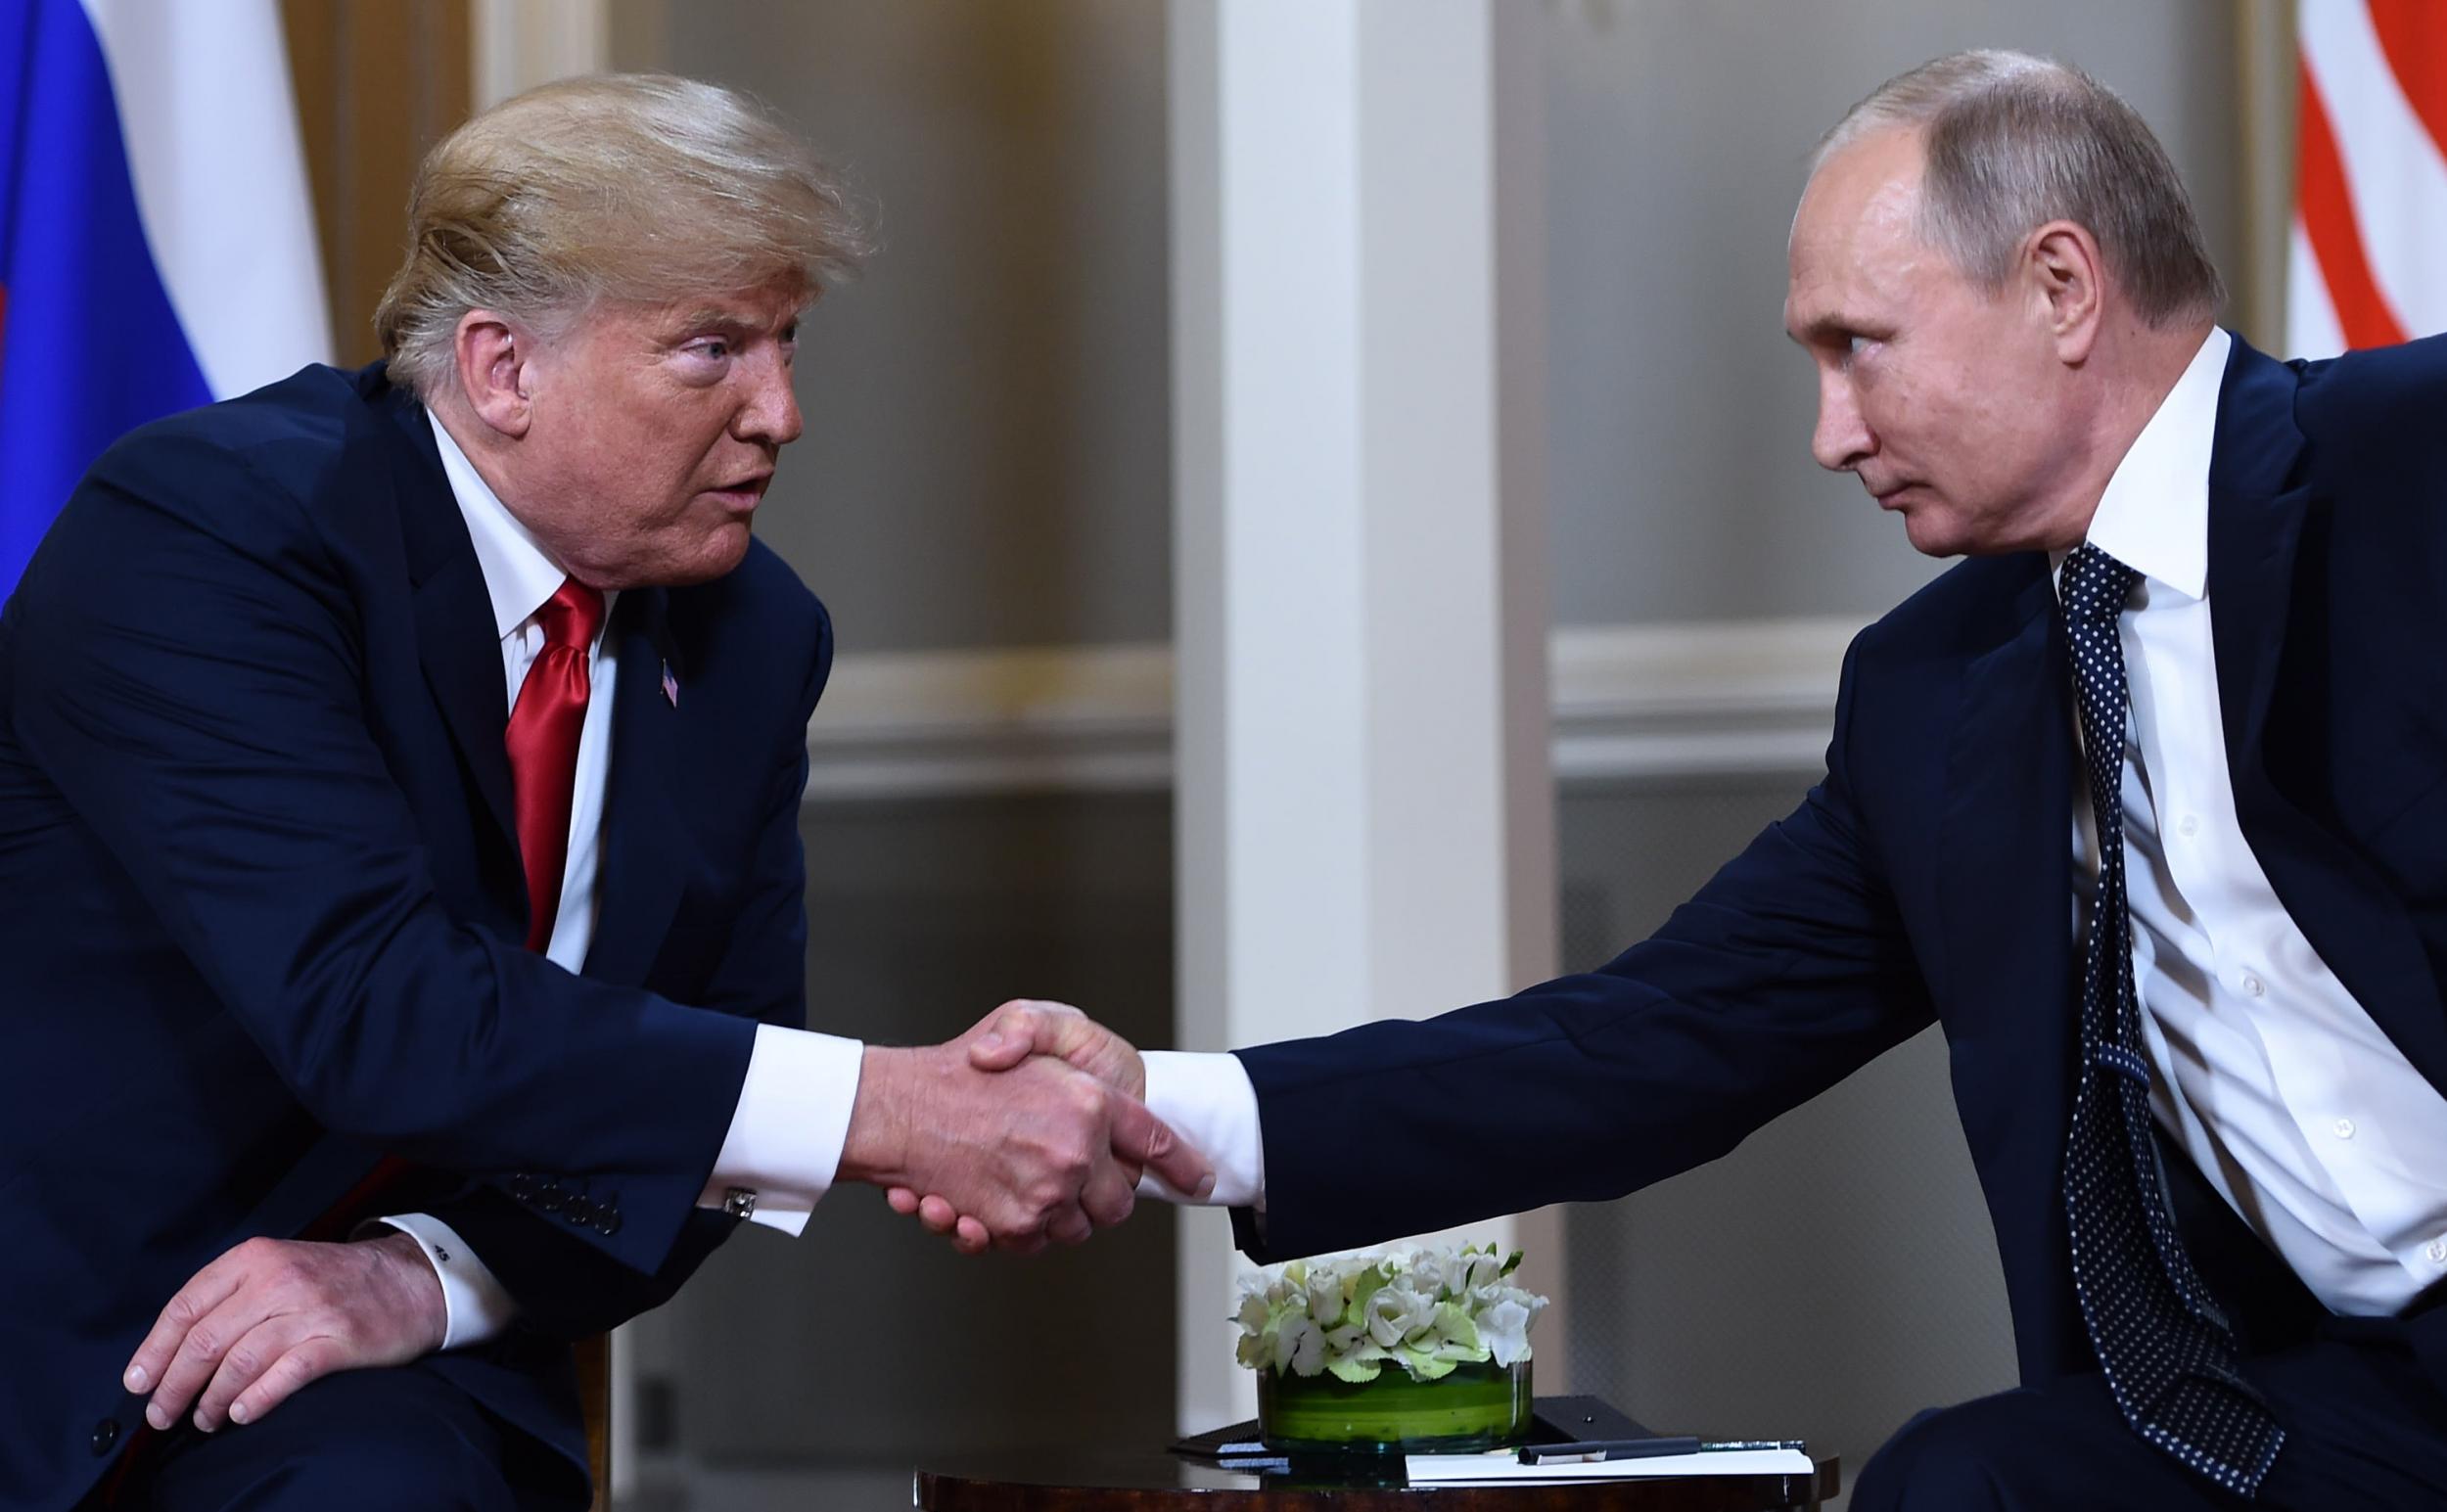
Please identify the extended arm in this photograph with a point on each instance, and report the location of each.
(1787, 971)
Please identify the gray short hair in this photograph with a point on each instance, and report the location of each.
(2011, 142)
(624, 187)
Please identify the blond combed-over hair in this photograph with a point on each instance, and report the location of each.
(627, 187)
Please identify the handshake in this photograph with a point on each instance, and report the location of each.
(1028, 1130)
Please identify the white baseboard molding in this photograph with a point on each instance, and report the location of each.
(1696, 700)
(933, 724)
(1630, 702)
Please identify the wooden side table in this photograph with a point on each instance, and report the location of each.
(1158, 1482)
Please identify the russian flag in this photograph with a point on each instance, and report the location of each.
(157, 246)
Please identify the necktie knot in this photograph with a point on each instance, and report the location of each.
(572, 615)
(2094, 584)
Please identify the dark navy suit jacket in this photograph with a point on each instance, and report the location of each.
(263, 907)
(1928, 877)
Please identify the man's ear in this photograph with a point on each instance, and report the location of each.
(491, 356)
(2060, 259)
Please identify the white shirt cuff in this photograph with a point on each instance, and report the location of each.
(1209, 1102)
(476, 1306)
(785, 1139)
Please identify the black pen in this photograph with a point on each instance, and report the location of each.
(1610, 1448)
(1647, 1448)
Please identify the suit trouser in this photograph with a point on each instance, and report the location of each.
(2363, 1402)
(370, 1440)
(2366, 1432)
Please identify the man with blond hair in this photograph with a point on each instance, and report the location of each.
(2201, 1067)
(399, 777)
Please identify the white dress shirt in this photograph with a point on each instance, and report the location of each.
(2298, 1110)
(786, 1134)
(2295, 1106)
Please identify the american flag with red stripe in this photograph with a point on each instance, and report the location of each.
(2369, 261)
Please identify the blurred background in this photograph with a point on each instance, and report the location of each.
(1316, 500)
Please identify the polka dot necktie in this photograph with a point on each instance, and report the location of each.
(2169, 1356)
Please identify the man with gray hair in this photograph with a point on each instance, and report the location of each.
(2185, 696)
(399, 778)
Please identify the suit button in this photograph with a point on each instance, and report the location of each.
(579, 1210)
(105, 1434)
(608, 1222)
(551, 1199)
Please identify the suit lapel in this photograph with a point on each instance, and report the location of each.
(454, 619)
(2352, 918)
(2006, 833)
(646, 851)
(2255, 527)
(2005, 838)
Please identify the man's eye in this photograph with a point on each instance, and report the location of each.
(716, 349)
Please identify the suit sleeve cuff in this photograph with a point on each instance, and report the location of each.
(1209, 1102)
(784, 1145)
(475, 1306)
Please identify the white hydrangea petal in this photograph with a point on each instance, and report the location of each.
(1388, 1316)
(1325, 1297)
(1505, 1330)
(1307, 1356)
(1288, 1334)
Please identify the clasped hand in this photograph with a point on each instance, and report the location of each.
(1018, 1134)
(1025, 1041)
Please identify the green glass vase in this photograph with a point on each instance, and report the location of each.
(1481, 1407)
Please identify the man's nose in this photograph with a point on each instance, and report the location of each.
(1842, 437)
(770, 416)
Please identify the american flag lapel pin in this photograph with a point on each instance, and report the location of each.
(671, 686)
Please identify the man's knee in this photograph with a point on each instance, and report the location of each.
(2062, 1445)
(1943, 1458)
(371, 1441)
(376, 1473)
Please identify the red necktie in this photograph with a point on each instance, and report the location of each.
(542, 742)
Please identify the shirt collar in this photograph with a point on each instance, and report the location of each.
(517, 574)
(2155, 516)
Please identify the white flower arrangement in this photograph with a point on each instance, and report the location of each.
(1426, 1309)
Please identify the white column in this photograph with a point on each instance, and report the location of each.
(1364, 805)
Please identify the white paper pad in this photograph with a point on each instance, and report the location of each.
(1503, 1465)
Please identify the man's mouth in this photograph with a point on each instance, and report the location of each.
(743, 493)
